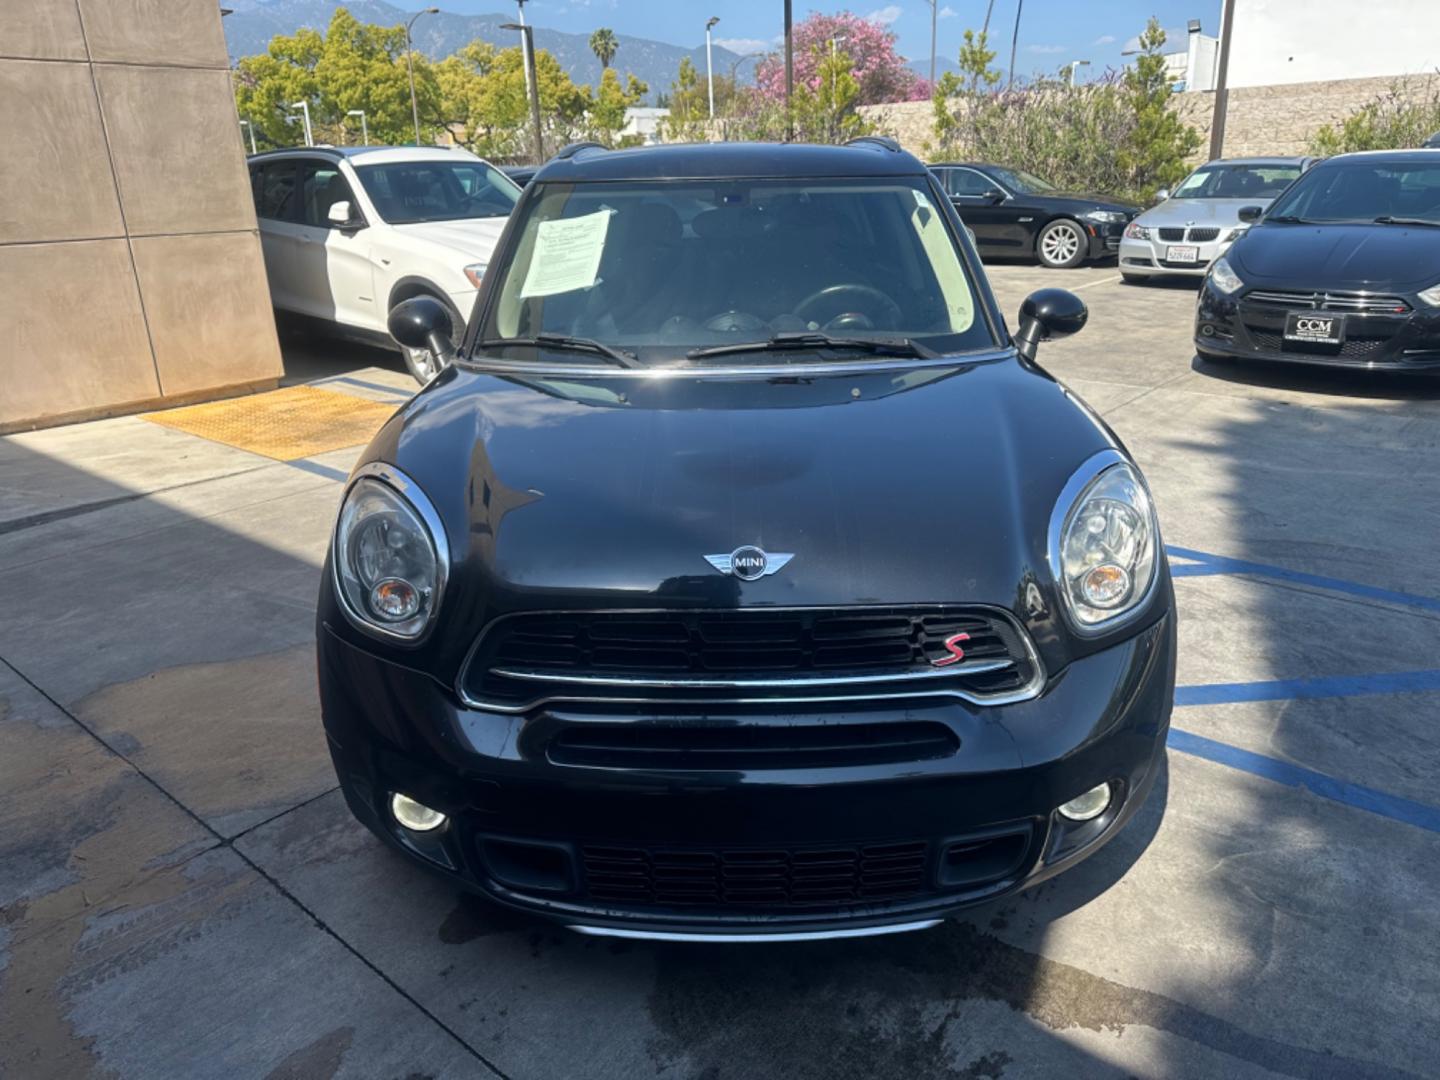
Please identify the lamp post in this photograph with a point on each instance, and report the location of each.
(1014, 40)
(520, 9)
(410, 67)
(934, 14)
(527, 34)
(1073, 65)
(304, 107)
(250, 130)
(364, 128)
(709, 70)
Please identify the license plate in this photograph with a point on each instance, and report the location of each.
(1187, 254)
(1303, 328)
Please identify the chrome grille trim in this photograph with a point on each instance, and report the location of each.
(978, 667)
(1327, 301)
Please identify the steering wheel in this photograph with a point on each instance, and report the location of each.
(831, 303)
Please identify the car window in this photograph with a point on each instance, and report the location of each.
(1024, 182)
(1361, 190)
(322, 187)
(1237, 182)
(406, 192)
(274, 187)
(965, 182)
(661, 267)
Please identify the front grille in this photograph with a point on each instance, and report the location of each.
(1353, 348)
(746, 656)
(696, 745)
(1199, 235)
(1204, 235)
(764, 877)
(1172, 235)
(1324, 301)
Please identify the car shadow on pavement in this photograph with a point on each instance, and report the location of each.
(1336, 382)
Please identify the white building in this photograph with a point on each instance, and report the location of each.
(644, 121)
(1193, 58)
(1293, 41)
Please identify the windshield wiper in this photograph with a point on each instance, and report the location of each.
(812, 340)
(1386, 219)
(572, 344)
(1289, 219)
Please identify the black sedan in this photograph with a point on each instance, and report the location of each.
(741, 577)
(1344, 269)
(1013, 212)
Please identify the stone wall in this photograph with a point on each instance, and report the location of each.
(130, 267)
(1260, 119)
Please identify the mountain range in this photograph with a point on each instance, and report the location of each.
(253, 23)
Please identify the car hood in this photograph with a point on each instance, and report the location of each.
(475, 237)
(918, 486)
(1376, 258)
(1180, 212)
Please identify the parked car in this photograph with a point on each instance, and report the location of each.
(650, 615)
(1013, 212)
(1197, 222)
(1343, 269)
(521, 174)
(350, 232)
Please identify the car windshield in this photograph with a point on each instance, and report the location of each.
(406, 192)
(1024, 183)
(1236, 182)
(658, 270)
(1362, 190)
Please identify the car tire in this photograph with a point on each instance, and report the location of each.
(420, 362)
(1062, 244)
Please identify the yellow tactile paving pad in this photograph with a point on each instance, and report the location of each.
(296, 422)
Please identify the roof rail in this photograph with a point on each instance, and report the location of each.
(883, 142)
(575, 148)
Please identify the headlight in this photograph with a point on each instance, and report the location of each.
(1108, 217)
(388, 567)
(475, 272)
(1431, 296)
(1235, 233)
(1103, 543)
(1223, 278)
(1136, 231)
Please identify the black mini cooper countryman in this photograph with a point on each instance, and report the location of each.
(742, 577)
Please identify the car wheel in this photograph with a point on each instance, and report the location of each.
(1061, 245)
(421, 363)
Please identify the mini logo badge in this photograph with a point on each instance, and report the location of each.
(749, 562)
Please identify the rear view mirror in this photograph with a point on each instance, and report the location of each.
(1251, 214)
(341, 214)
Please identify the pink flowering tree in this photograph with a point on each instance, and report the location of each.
(880, 72)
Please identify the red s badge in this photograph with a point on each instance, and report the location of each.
(952, 646)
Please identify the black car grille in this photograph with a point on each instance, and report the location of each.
(696, 745)
(1352, 348)
(805, 654)
(1199, 235)
(1204, 235)
(1326, 301)
(1172, 235)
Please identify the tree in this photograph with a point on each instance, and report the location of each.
(825, 113)
(1155, 155)
(604, 46)
(1402, 117)
(880, 73)
(689, 106)
(353, 65)
(976, 77)
(486, 108)
(607, 114)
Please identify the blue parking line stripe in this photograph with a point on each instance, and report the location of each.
(1327, 787)
(1195, 570)
(1328, 686)
(1223, 564)
(319, 470)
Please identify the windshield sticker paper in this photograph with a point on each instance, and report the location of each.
(567, 255)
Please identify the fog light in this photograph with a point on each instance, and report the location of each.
(415, 816)
(1088, 806)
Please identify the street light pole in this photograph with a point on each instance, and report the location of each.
(527, 35)
(364, 128)
(304, 107)
(520, 8)
(1014, 40)
(934, 14)
(709, 70)
(410, 67)
(250, 128)
(1222, 83)
(1073, 65)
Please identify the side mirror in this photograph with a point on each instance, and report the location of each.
(422, 322)
(993, 195)
(1162, 195)
(1251, 214)
(342, 215)
(1046, 315)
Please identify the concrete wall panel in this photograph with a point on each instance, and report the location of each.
(55, 181)
(43, 30)
(183, 33)
(209, 310)
(74, 334)
(175, 141)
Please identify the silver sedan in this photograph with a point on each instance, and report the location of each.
(1197, 222)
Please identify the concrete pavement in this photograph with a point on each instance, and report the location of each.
(182, 891)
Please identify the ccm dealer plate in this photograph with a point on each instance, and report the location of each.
(1307, 329)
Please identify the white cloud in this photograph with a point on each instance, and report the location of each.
(948, 12)
(886, 15)
(1105, 39)
(743, 45)
(1045, 48)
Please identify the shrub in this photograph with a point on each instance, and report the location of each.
(1402, 117)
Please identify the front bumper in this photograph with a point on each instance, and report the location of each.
(1104, 237)
(1148, 258)
(550, 838)
(1233, 326)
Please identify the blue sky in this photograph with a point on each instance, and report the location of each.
(1052, 32)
